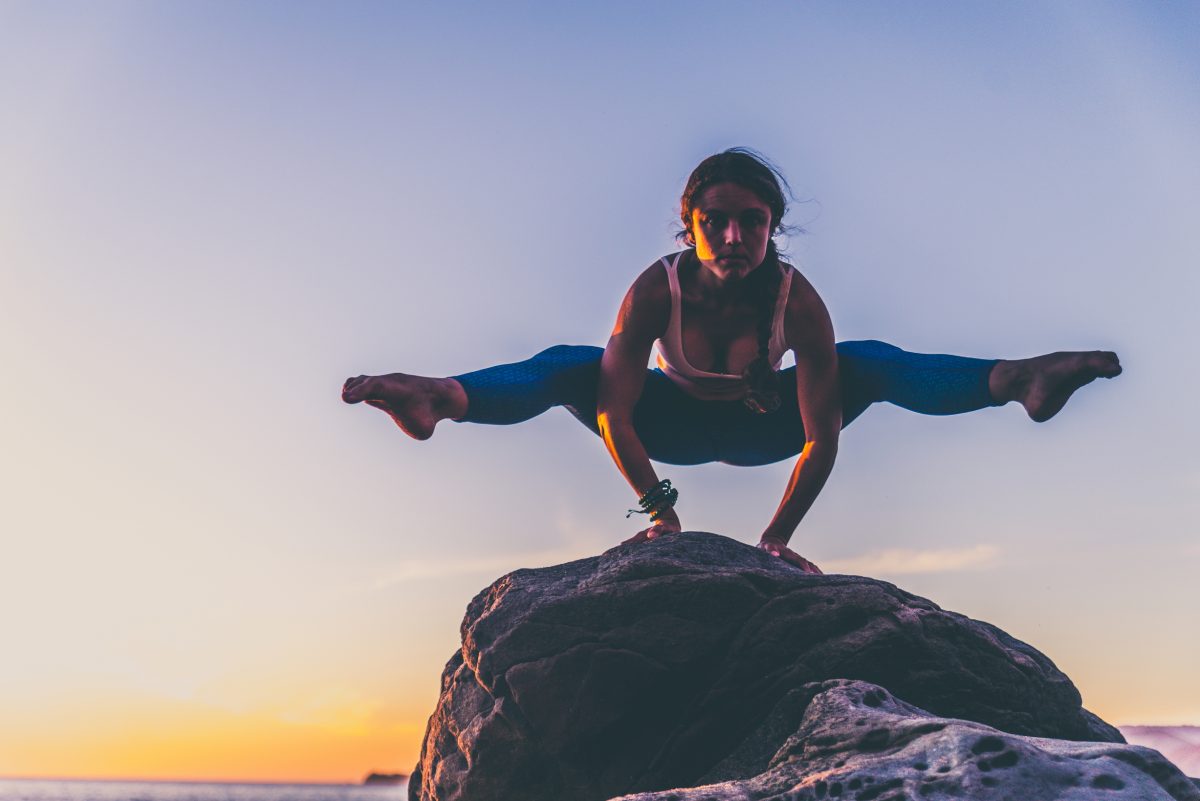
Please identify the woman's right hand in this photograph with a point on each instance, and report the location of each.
(667, 522)
(777, 547)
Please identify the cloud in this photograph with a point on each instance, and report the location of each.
(888, 562)
(903, 561)
(495, 566)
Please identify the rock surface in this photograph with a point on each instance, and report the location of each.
(684, 661)
(857, 742)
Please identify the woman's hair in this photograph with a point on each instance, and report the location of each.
(750, 170)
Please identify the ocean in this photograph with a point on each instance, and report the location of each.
(54, 790)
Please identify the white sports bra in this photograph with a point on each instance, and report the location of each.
(697, 383)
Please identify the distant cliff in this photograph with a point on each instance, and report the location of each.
(696, 661)
(1180, 744)
(385, 778)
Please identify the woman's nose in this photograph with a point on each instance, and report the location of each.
(733, 234)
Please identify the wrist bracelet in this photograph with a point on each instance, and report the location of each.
(661, 497)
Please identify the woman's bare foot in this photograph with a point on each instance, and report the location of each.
(415, 402)
(1044, 383)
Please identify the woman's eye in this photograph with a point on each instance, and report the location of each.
(714, 221)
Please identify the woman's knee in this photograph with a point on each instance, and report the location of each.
(571, 373)
(570, 354)
(860, 366)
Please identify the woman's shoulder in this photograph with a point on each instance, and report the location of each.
(805, 313)
(653, 284)
(647, 305)
(801, 292)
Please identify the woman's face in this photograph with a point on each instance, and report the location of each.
(731, 227)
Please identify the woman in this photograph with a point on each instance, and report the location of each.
(724, 312)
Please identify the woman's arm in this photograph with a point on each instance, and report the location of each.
(642, 319)
(809, 333)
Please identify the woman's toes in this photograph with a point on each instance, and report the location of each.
(1111, 366)
(354, 389)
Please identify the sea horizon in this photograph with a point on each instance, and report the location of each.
(6, 778)
(59, 789)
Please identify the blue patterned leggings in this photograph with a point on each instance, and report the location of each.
(676, 428)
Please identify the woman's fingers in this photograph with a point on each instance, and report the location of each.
(809, 567)
(791, 557)
(805, 565)
(636, 538)
(654, 532)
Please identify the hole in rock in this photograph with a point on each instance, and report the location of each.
(987, 744)
(871, 793)
(875, 740)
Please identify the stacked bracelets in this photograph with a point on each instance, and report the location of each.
(658, 500)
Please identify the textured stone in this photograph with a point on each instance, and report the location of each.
(670, 663)
(857, 742)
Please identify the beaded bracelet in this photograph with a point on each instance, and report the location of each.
(657, 500)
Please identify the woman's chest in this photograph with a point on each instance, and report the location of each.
(718, 340)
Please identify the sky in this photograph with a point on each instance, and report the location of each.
(212, 214)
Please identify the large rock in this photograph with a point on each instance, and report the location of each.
(857, 741)
(666, 665)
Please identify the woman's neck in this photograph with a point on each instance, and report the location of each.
(713, 288)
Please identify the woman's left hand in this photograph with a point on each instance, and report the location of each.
(667, 522)
(777, 547)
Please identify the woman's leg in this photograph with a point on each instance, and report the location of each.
(871, 371)
(678, 429)
(669, 422)
(563, 375)
(500, 395)
(868, 372)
